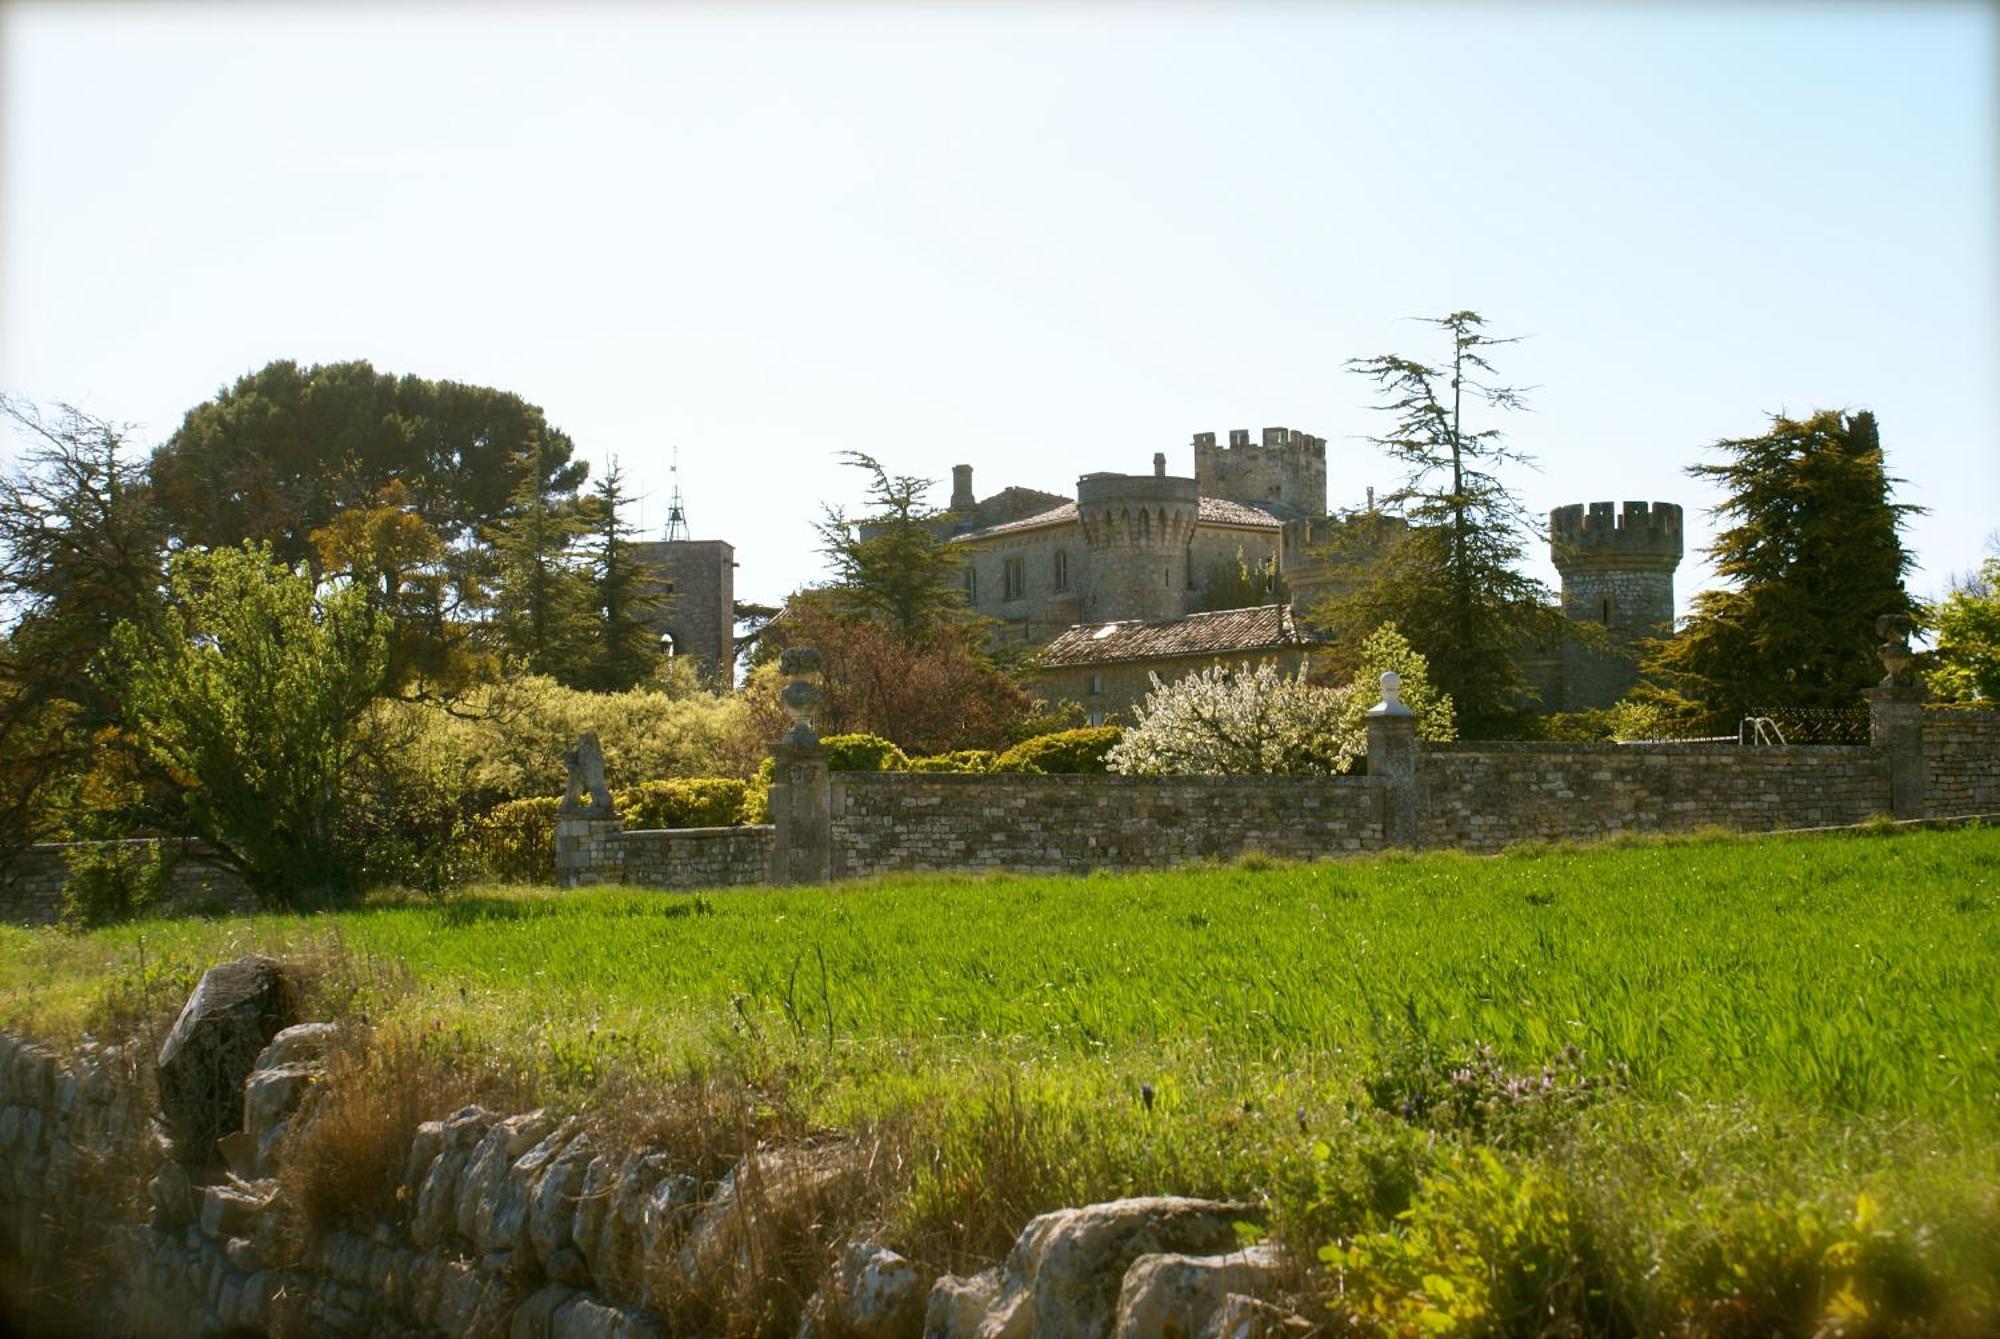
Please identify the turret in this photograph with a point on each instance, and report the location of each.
(1138, 528)
(1287, 467)
(1617, 571)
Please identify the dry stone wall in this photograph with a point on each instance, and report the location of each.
(31, 885)
(1486, 796)
(1961, 761)
(533, 1227)
(889, 821)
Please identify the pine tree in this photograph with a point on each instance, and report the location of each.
(542, 604)
(892, 564)
(1450, 582)
(625, 596)
(1814, 556)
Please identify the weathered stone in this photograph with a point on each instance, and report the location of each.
(436, 1213)
(968, 1308)
(1241, 1317)
(299, 1044)
(492, 1211)
(534, 1317)
(232, 1210)
(1175, 1295)
(872, 1293)
(1066, 1269)
(233, 1013)
(552, 1212)
(766, 1196)
(270, 1096)
(585, 1317)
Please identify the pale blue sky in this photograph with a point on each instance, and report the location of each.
(1041, 240)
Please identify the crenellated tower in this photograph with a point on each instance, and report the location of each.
(1617, 571)
(1287, 467)
(1137, 529)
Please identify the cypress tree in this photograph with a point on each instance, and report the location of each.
(1814, 556)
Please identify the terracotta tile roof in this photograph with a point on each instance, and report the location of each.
(1214, 511)
(1266, 628)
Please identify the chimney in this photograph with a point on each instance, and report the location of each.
(1159, 464)
(962, 500)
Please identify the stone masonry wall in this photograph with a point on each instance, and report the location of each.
(1961, 761)
(1071, 824)
(698, 857)
(1481, 797)
(31, 885)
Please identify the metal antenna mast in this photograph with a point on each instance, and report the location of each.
(677, 521)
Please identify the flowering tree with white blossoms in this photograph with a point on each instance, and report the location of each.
(1263, 722)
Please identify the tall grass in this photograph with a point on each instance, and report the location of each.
(1743, 1036)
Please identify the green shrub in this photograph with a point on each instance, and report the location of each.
(1066, 752)
(689, 802)
(862, 753)
(963, 760)
(113, 881)
(516, 841)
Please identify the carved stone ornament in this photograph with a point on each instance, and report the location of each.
(586, 792)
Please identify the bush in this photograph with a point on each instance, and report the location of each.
(693, 802)
(964, 760)
(862, 753)
(516, 841)
(1067, 752)
(113, 881)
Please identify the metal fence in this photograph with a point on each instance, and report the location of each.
(1778, 726)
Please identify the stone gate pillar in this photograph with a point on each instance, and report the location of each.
(1896, 719)
(801, 786)
(1392, 755)
(588, 849)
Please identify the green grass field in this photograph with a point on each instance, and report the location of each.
(1756, 1049)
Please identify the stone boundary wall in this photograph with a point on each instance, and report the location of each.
(1961, 761)
(530, 1227)
(1485, 796)
(31, 882)
(697, 857)
(892, 821)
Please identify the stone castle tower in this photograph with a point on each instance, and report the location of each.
(696, 580)
(1137, 529)
(1617, 572)
(1288, 467)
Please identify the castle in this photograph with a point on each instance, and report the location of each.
(1130, 577)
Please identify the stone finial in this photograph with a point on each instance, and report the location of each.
(1392, 703)
(801, 697)
(1894, 630)
(586, 792)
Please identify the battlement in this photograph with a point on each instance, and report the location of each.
(1643, 533)
(1287, 467)
(1239, 440)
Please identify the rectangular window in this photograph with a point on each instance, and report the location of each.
(1061, 573)
(1013, 579)
(971, 584)
(1096, 684)
(1095, 718)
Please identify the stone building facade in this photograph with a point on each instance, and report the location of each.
(696, 616)
(1161, 550)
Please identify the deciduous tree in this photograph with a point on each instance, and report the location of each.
(249, 687)
(80, 551)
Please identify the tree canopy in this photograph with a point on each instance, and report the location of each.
(1966, 665)
(1450, 581)
(279, 454)
(1813, 551)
